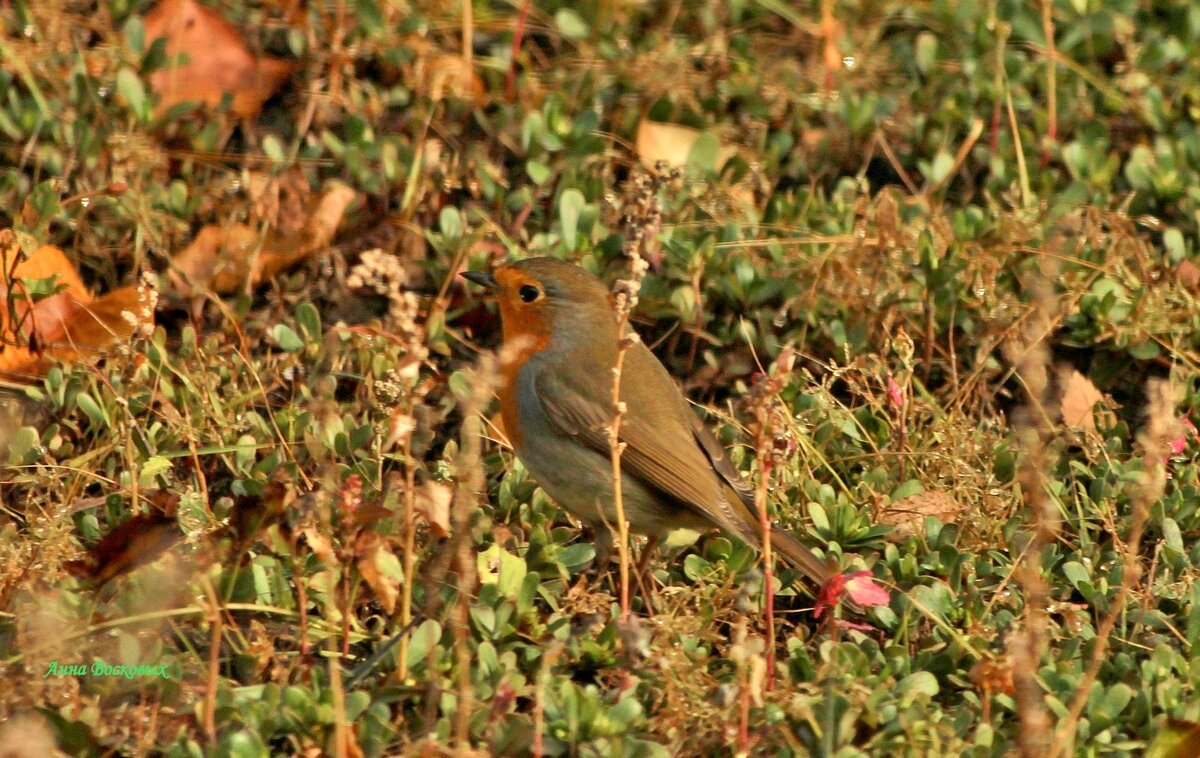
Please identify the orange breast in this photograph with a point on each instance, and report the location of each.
(514, 354)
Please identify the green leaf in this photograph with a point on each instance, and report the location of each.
(287, 339)
(25, 446)
(272, 147)
(155, 465)
(570, 204)
(93, 410)
(703, 154)
(1076, 574)
(450, 223)
(576, 556)
(135, 34)
(503, 569)
(920, 683)
(539, 172)
(133, 92)
(571, 24)
(819, 517)
(423, 638)
(309, 320)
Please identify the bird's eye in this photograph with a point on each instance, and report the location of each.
(528, 293)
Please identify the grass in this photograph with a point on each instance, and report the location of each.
(943, 209)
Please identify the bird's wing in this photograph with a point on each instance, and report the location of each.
(661, 449)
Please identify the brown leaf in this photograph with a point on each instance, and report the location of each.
(381, 570)
(907, 515)
(138, 541)
(70, 325)
(672, 144)
(222, 258)
(1078, 398)
(991, 675)
(218, 61)
(1188, 274)
(495, 428)
(433, 504)
(437, 74)
(321, 546)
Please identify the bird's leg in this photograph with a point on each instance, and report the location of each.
(645, 583)
(647, 553)
(604, 547)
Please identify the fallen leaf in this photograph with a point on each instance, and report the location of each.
(437, 74)
(321, 546)
(68, 325)
(992, 675)
(432, 504)
(907, 515)
(223, 258)
(495, 426)
(672, 144)
(218, 61)
(1188, 274)
(1078, 398)
(138, 541)
(381, 570)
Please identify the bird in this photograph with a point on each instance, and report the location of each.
(560, 342)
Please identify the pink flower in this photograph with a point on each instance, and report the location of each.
(859, 586)
(1179, 444)
(895, 394)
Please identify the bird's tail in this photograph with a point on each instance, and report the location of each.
(816, 570)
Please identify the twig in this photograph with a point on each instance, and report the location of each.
(642, 221)
(1031, 422)
(1051, 77)
(510, 79)
(1162, 403)
(466, 505)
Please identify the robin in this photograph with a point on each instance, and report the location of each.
(560, 346)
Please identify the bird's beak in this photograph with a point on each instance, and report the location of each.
(485, 280)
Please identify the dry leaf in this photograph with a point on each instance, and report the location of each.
(380, 569)
(222, 258)
(70, 325)
(218, 62)
(495, 428)
(437, 74)
(991, 675)
(907, 515)
(321, 546)
(672, 144)
(1188, 274)
(433, 504)
(1078, 398)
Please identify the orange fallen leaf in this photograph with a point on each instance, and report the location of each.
(672, 144)
(433, 505)
(1078, 398)
(68, 325)
(218, 61)
(223, 258)
(1188, 274)
(907, 515)
(320, 546)
(380, 569)
(437, 74)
